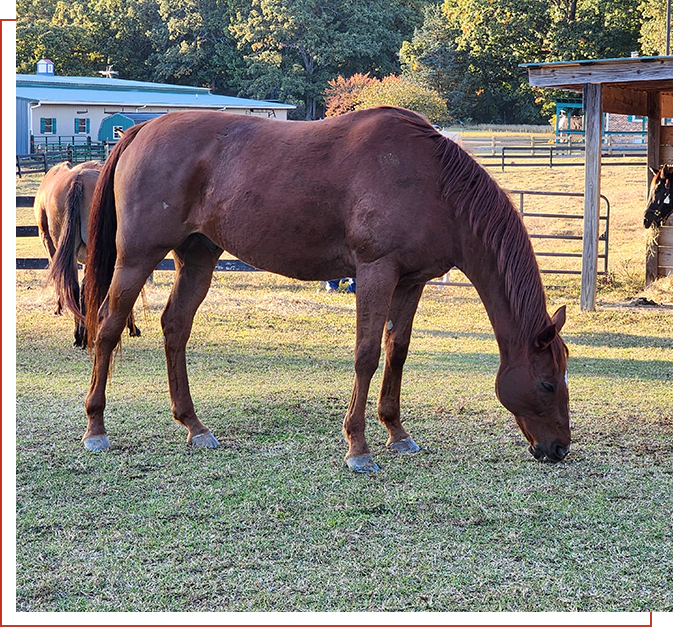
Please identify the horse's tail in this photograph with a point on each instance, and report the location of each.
(101, 246)
(63, 268)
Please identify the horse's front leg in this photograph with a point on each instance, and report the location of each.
(397, 340)
(194, 269)
(375, 285)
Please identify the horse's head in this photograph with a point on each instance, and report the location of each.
(533, 387)
(659, 205)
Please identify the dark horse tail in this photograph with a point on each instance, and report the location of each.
(63, 267)
(101, 246)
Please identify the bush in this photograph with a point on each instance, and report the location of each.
(362, 92)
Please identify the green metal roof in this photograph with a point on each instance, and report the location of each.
(114, 91)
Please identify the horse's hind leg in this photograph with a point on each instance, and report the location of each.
(134, 331)
(376, 283)
(397, 340)
(127, 281)
(194, 268)
(80, 329)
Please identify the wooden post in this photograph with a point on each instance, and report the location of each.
(592, 106)
(653, 162)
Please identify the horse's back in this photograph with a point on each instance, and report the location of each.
(306, 199)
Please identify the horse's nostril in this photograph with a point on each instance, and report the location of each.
(559, 451)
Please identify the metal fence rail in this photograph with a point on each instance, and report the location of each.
(234, 265)
(603, 237)
(555, 156)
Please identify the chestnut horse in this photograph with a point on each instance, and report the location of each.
(377, 194)
(659, 204)
(61, 206)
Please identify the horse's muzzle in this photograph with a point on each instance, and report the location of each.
(556, 453)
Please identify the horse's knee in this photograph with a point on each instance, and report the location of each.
(396, 354)
(367, 359)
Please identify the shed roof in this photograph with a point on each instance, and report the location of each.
(626, 82)
(81, 90)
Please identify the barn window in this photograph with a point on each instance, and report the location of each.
(117, 132)
(48, 126)
(82, 125)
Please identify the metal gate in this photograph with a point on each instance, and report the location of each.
(542, 226)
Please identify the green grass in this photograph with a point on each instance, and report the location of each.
(273, 520)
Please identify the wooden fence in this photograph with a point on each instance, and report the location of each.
(41, 162)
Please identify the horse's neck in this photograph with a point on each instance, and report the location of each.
(480, 266)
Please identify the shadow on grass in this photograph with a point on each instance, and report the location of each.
(617, 340)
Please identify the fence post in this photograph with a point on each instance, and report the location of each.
(44, 161)
(593, 119)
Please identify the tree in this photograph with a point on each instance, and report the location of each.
(470, 50)
(57, 31)
(294, 47)
(653, 35)
(194, 45)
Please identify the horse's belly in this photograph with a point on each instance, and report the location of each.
(301, 251)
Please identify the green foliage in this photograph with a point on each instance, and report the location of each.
(194, 45)
(398, 91)
(653, 37)
(468, 51)
(293, 48)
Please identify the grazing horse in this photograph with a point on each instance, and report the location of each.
(659, 204)
(62, 205)
(376, 194)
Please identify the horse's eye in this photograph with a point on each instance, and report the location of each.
(547, 387)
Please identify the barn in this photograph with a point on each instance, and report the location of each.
(637, 86)
(55, 109)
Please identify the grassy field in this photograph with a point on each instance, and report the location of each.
(273, 520)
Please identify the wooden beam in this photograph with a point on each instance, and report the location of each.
(593, 119)
(620, 71)
(624, 100)
(654, 117)
(666, 105)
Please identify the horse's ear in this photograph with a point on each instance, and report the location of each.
(547, 335)
(559, 318)
(654, 172)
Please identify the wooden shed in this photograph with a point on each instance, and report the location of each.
(634, 86)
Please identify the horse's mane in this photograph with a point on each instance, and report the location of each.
(492, 216)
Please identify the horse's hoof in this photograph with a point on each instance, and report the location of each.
(406, 445)
(362, 463)
(96, 443)
(204, 440)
